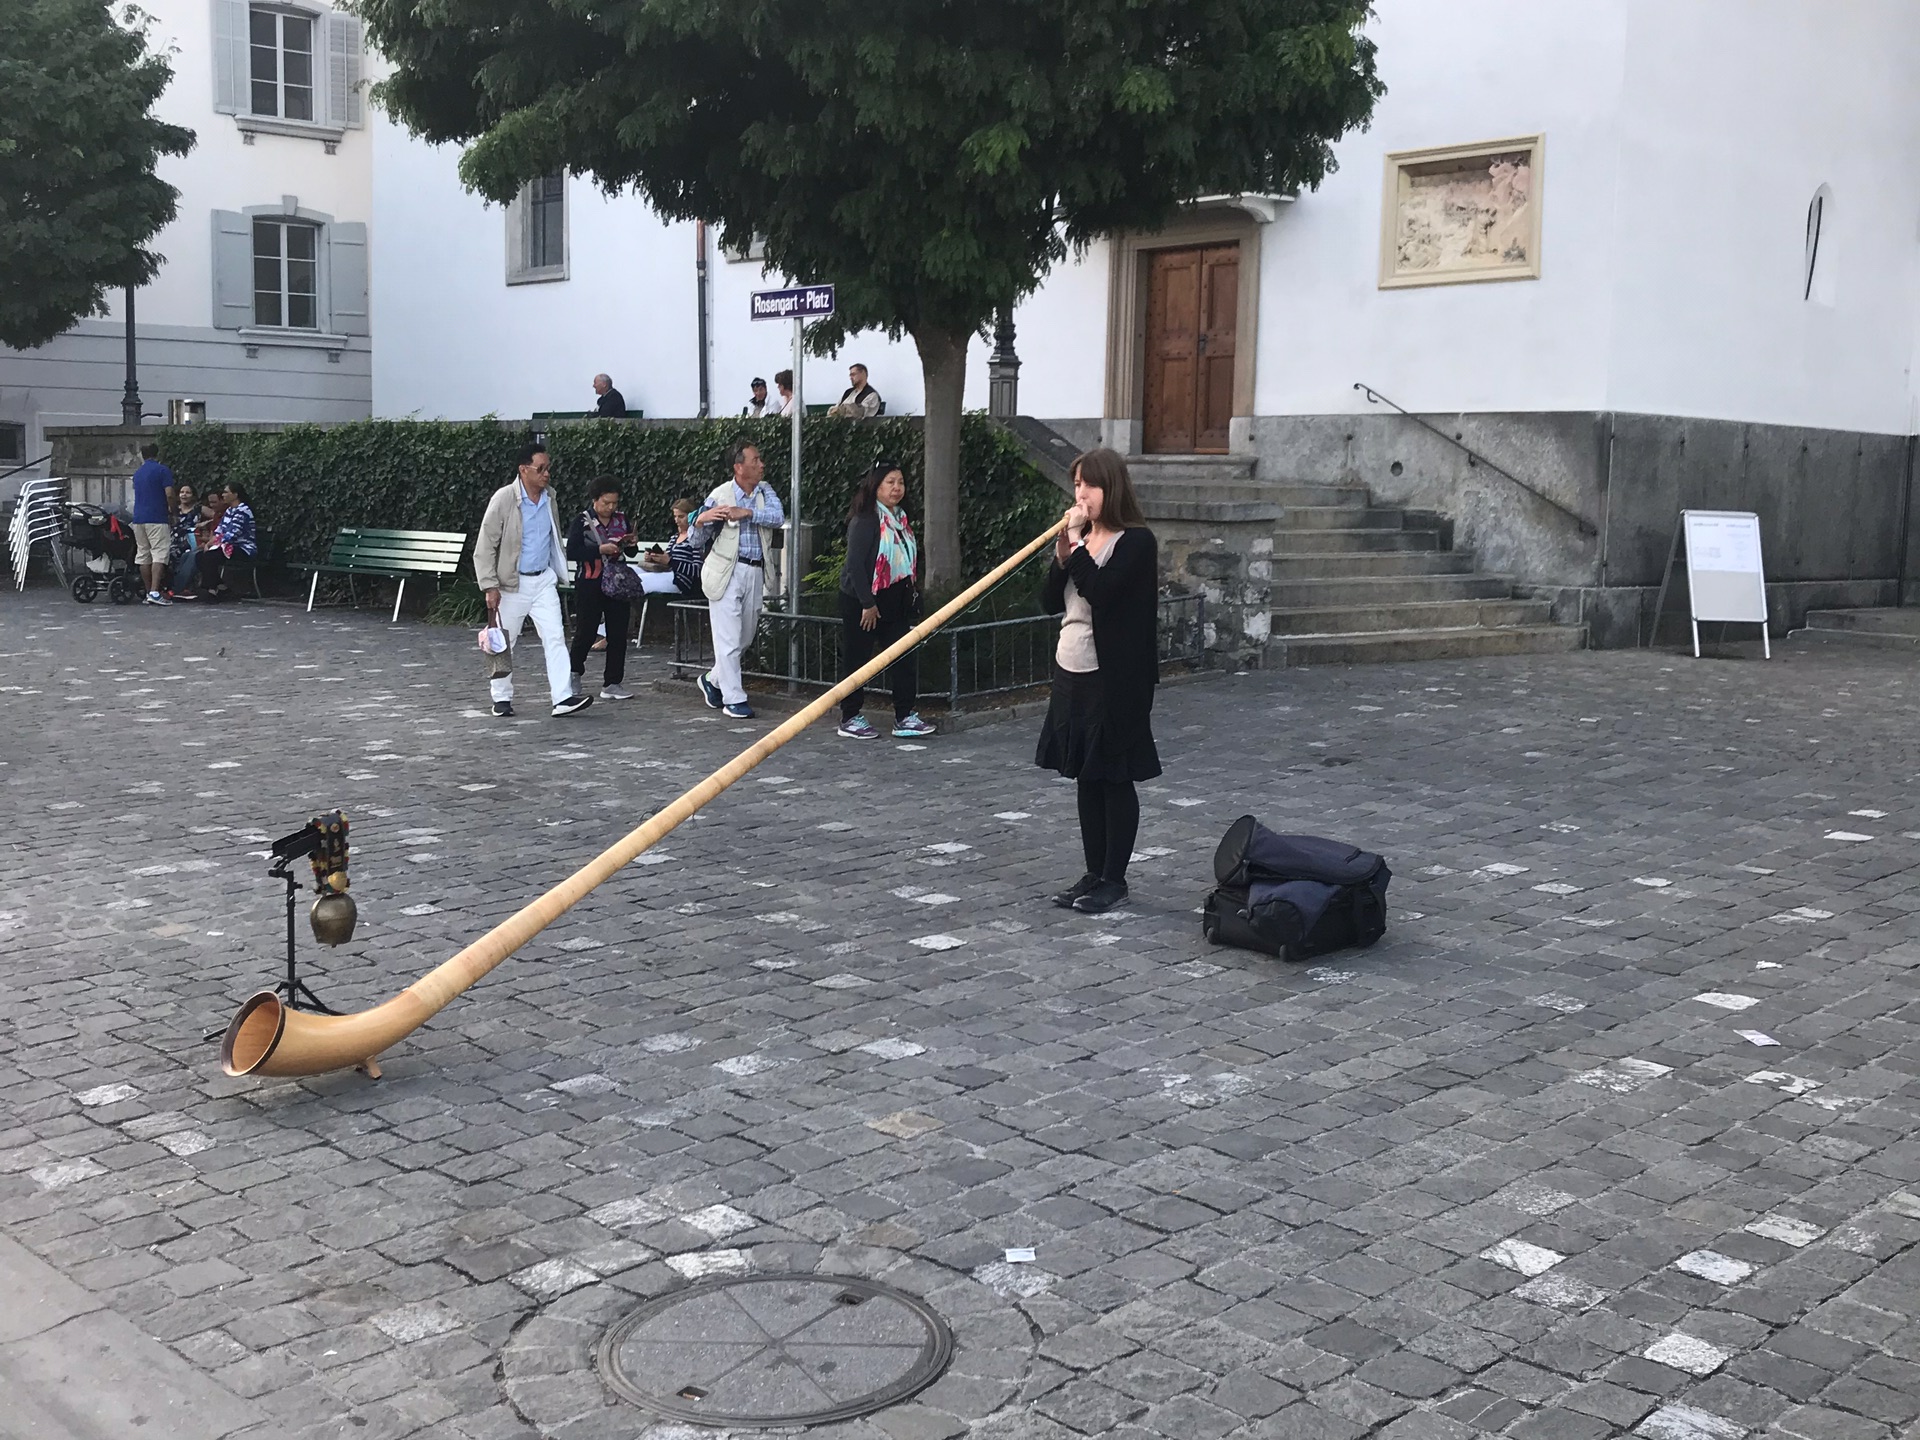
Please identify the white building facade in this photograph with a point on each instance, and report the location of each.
(1681, 149)
(1642, 256)
(260, 311)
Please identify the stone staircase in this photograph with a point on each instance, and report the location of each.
(1352, 581)
(1886, 627)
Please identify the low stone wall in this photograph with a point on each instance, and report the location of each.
(1837, 528)
(1231, 564)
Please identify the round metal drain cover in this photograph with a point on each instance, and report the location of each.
(760, 1352)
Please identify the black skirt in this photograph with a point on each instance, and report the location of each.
(1082, 740)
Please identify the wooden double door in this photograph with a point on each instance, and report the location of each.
(1193, 302)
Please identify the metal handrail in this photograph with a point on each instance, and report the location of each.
(984, 658)
(1475, 458)
(28, 465)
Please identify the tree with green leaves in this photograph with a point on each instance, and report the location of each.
(932, 160)
(79, 199)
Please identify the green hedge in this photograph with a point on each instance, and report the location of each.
(308, 481)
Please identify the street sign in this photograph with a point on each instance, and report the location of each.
(803, 302)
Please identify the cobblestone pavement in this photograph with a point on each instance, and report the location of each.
(1618, 1131)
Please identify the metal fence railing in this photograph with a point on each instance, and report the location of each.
(961, 662)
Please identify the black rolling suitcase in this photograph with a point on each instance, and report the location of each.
(1294, 896)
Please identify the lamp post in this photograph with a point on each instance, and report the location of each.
(1003, 370)
(130, 399)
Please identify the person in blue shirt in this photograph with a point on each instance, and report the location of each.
(152, 520)
(748, 503)
(519, 561)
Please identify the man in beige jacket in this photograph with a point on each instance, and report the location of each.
(519, 560)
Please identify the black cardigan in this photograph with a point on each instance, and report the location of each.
(1124, 595)
(863, 550)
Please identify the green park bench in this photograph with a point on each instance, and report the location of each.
(542, 418)
(389, 555)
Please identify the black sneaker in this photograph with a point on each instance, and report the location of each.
(503, 707)
(1101, 898)
(1081, 887)
(573, 705)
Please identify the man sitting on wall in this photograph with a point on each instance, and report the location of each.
(860, 401)
(612, 405)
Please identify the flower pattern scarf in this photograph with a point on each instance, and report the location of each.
(898, 553)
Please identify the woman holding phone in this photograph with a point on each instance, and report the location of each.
(1104, 583)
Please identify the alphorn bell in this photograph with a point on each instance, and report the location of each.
(270, 1037)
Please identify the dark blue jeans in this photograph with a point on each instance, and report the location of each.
(182, 569)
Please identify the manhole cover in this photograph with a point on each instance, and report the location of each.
(757, 1352)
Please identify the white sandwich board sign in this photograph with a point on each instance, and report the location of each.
(1726, 578)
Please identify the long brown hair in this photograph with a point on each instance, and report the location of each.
(1107, 472)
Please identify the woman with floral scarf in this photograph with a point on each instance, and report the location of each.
(879, 589)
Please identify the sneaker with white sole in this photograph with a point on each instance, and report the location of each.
(503, 708)
(710, 692)
(857, 729)
(573, 705)
(154, 597)
(911, 726)
(742, 711)
(614, 692)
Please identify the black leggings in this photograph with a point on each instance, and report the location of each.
(1109, 824)
(858, 646)
(590, 607)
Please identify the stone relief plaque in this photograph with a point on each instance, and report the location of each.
(1462, 213)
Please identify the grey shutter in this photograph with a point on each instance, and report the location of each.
(232, 270)
(231, 75)
(345, 104)
(517, 235)
(347, 275)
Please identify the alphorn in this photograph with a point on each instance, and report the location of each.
(269, 1037)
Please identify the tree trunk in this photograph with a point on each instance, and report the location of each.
(943, 364)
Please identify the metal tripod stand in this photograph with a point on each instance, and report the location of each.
(293, 989)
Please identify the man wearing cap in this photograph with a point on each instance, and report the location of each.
(759, 406)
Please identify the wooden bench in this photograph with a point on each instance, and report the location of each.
(389, 555)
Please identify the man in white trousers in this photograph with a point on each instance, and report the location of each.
(519, 560)
(749, 502)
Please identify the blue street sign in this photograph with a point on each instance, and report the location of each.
(803, 302)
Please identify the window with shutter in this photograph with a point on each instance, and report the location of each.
(537, 231)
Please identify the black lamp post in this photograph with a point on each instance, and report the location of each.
(1003, 370)
(130, 399)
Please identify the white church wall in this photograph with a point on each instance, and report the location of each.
(1727, 130)
(1460, 73)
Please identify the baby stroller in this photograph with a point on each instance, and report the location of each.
(100, 550)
